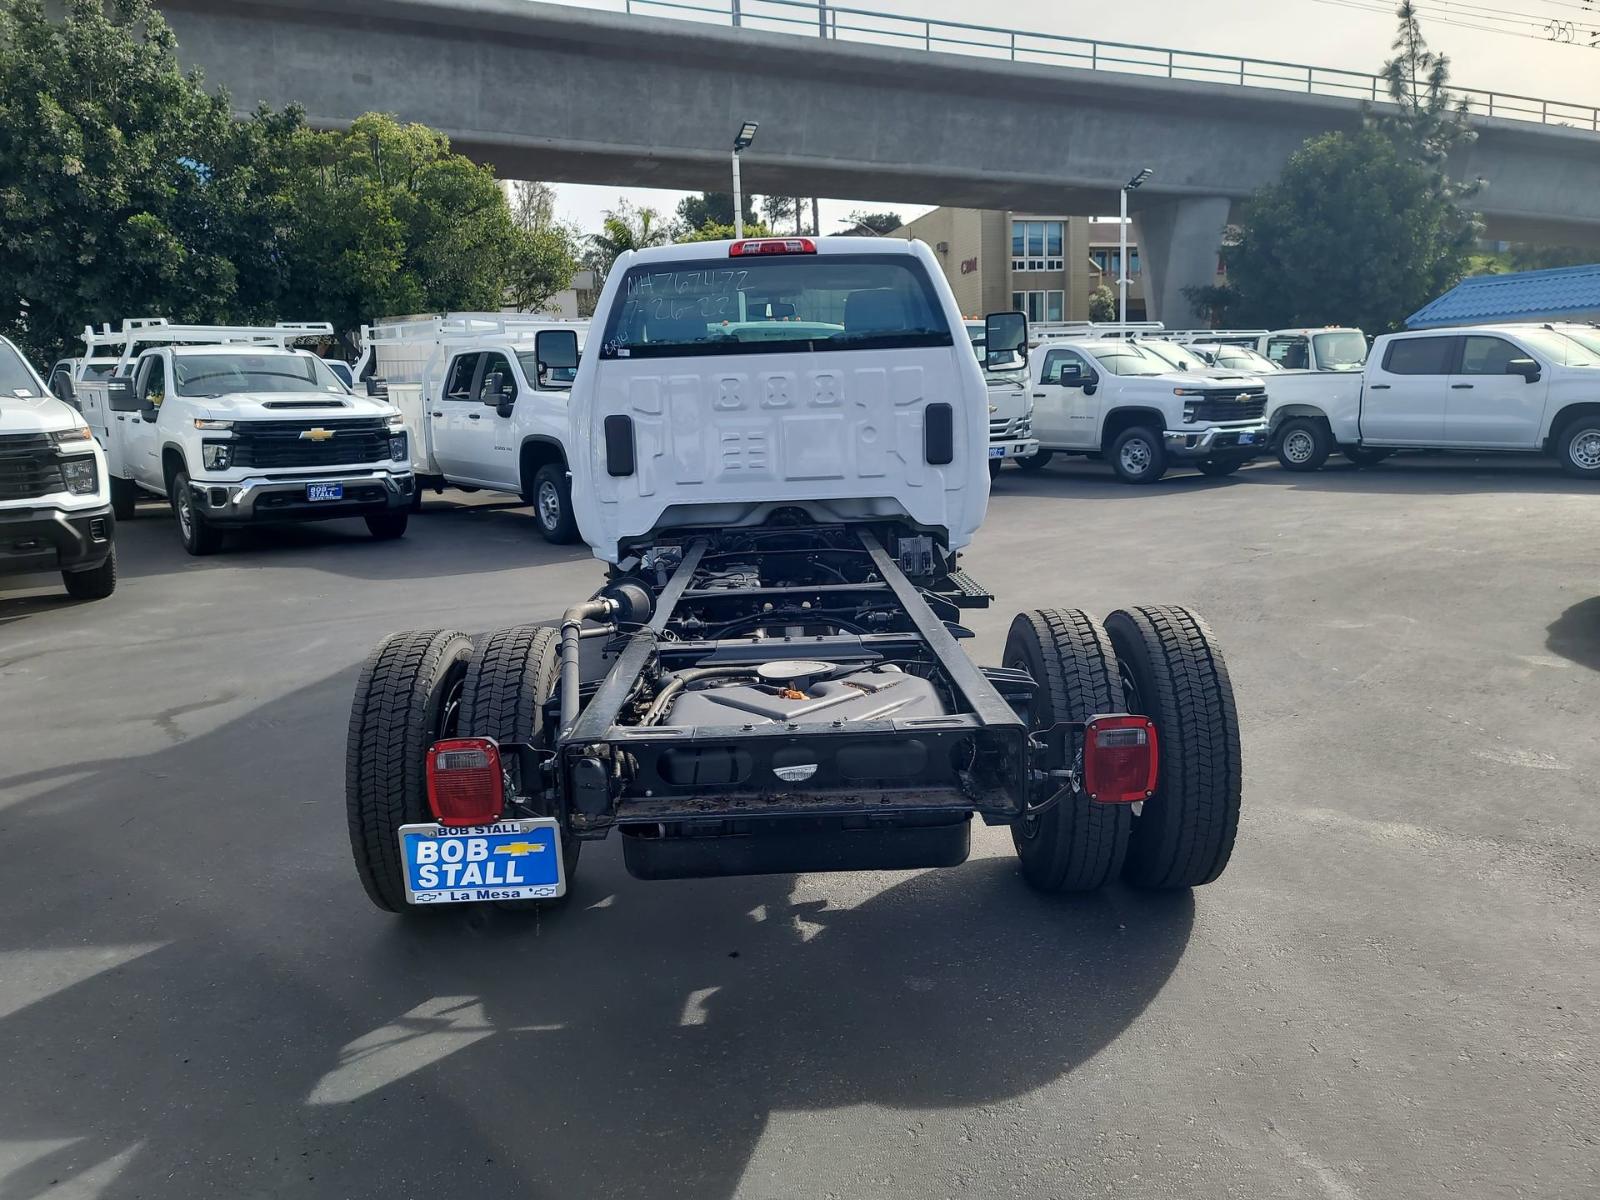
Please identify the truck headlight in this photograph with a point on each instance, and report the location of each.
(80, 476)
(72, 437)
(397, 446)
(397, 420)
(216, 455)
(208, 423)
(1188, 411)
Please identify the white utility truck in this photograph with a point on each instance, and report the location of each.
(484, 398)
(55, 503)
(233, 428)
(1010, 405)
(1533, 388)
(1118, 400)
(779, 506)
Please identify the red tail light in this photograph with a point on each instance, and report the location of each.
(465, 783)
(752, 246)
(1119, 759)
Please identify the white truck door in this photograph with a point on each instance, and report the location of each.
(453, 415)
(494, 450)
(1403, 397)
(1063, 416)
(141, 439)
(1487, 406)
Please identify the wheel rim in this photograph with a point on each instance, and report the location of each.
(549, 505)
(185, 512)
(1585, 449)
(1131, 699)
(1135, 456)
(450, 710)
(1299, 446)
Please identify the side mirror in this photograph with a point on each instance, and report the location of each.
(1005, 336)
(556, 349)
(119, 394)
(378, 388)
(65, 390)
(1091, 383)
(1526, 367)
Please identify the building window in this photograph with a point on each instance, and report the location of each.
(1037, 245)
(1041, 306)
(1108, 261)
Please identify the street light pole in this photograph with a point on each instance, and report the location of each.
(741, 141)
(1122, 244)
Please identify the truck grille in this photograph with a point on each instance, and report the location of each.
(1008, 427)
(29, 466)
(1246, 406)
(269, 444)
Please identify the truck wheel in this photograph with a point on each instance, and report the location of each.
(1036, 461)
(124, 499)
(94, 584)
(1077, 845)
(1137, 456)
(199, 538)
(387, 526)
(1304, 444)
(1173, 673)
(1218, 467)
(1577, 447)
(1364, 456)
(407, 698)
(552, 505)
(510, 678)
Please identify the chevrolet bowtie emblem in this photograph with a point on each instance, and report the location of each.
(994, 408)
(318, 434)
(518, 849)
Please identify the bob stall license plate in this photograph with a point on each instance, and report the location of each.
(509, 860)
(324, 491)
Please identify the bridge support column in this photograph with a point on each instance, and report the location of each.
(1178, 244)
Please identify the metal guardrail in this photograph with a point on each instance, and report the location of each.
(820, 18)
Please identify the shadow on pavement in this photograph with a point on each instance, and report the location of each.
(199, 999)
(1575, 634)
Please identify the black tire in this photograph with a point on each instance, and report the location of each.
(1036, 461)
(407, 698)
(387, 526)
(994, 467)
(510, 678)
(124, 499)
(1364, 456)
(1304, 444)
(1173, 673)
(198, 537)
(1077, 845)
(1577, 446)
(94, 584)
(1137, 455)
(1216, 468)
(551, 497)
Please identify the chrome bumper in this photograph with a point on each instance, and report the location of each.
(1208, 443)
(1025, 447)
(285, 499)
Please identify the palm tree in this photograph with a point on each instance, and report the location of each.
(624, 228)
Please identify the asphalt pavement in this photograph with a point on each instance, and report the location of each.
(1392, 992)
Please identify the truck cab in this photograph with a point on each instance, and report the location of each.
(1331, 348)
(484, 398)
(1010, 402)
(1117, 399)
(232, 427)
(55, 504)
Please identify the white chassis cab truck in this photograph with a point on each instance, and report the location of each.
(1010, 402)
(234, 428)
(1530, 388)
(1114, 399)
(779, 686)
(484, 397)
(55, 499)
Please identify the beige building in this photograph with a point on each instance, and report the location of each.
(1047, 266)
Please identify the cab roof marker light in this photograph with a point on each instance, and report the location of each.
(750, 247)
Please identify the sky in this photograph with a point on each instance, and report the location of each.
(1485, 40)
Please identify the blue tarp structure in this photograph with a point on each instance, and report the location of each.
(1562, 294)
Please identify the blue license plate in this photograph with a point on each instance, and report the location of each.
(324, 491)
(509, 860)
(997, 451)
(1247, 439)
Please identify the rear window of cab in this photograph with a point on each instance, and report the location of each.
(778, 304)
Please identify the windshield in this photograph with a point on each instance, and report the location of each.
(1589, 339)
(1237, 358)
(776, 304)
(555, 377)
(1180, 357)
(1345, 351)
(16, 378)
(1127, 358)
(232, 374)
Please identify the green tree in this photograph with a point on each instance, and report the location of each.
(717, 207)
(1361, 228)
(624, 228)
(1102, 304)
(545, 251)
(712, 232)
(872, 224)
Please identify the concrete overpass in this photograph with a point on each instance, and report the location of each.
(543, 91)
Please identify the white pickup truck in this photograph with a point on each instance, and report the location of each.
(1010, 405)
(484, 399)
(1115, 399)
(55, 508)
(233, 428)
(1531, 388)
